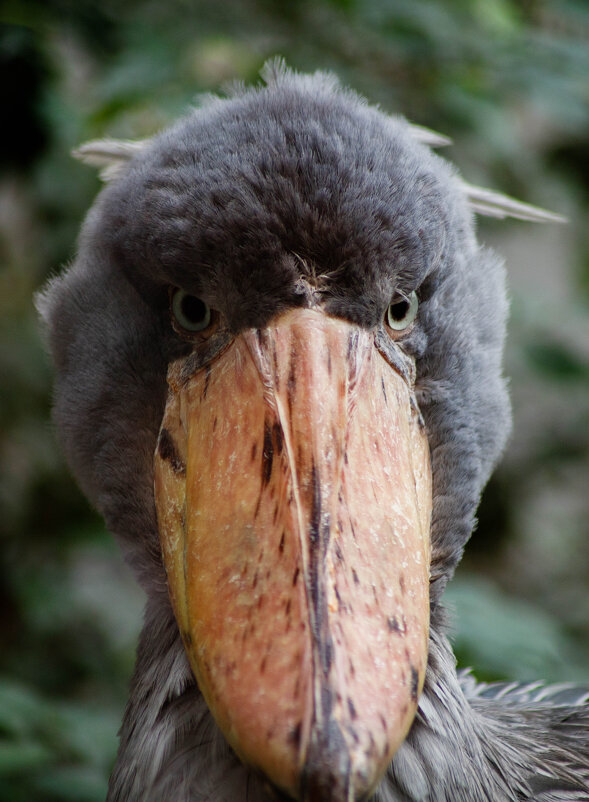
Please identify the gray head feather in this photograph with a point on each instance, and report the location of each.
(112, 156)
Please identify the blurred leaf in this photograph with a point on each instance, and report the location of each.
(76, 783)
(20, 708)
(503, 637)
(16, 758)
(557, 362)
(500, 17)
(78, 742)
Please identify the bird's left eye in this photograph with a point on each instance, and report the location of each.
(401, 312)
(190, 313)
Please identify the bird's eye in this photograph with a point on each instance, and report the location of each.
(402, 312)
(189, 312)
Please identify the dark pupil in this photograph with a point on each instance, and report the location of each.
(194, 309)
(399, 310)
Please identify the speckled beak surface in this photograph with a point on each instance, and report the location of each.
(293, 491)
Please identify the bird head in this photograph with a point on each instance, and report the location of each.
(278, 358)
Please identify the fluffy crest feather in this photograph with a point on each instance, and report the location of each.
(111, 156)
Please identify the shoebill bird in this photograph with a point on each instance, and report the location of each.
(278, 357)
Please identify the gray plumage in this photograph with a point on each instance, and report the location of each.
(246, 203)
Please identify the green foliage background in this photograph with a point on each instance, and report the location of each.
(509, 81)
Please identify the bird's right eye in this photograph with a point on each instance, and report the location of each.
(401, 312)
(189, 313)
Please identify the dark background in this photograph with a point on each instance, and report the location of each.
(508, 80)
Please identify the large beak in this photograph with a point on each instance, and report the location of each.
(293, 492)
